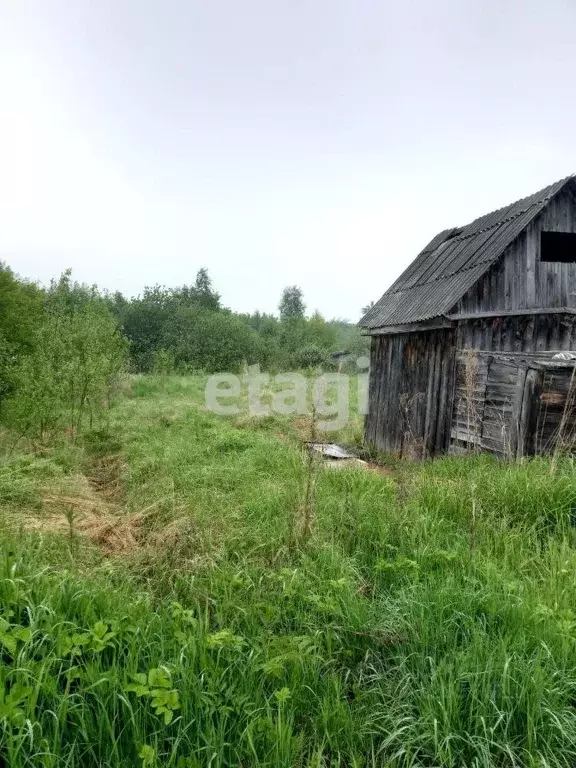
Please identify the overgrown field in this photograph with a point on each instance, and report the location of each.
(182, 589)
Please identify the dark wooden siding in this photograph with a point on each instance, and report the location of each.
(519, 333)
(411, 392)
(519, 307)
(519, 279)
(512, 405)
(556, 409)
(485, 397)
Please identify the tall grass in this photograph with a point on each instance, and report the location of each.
(427, 619)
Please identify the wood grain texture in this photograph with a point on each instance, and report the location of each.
(521, 309)
(519, 280)
(411, 392)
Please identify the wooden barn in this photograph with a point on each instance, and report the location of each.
(463, 343)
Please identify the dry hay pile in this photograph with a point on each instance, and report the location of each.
(86, 513)
(88, 506)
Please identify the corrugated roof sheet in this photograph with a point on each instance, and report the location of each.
(453, 261)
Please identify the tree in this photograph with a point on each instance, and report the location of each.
(309, 356)
(20, 311)
(368, 307)
(200, 294)
(212, 341)
(292, 303)
(76, 358)
(20, 308)
(204, 293)
(321, 333)
(144, 321)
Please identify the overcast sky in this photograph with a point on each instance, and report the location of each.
(316, 142)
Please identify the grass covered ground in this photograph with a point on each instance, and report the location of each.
(163, 603)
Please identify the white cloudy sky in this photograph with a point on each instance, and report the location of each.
(316, 142)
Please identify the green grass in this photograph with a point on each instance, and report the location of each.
(427, 620)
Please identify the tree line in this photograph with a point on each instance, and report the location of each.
(63, 348)
(188, 329)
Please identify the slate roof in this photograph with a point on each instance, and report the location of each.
(453, 261)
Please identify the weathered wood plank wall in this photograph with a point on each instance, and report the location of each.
(411, 392)
(411, 405)
(557, 386)
(484, 401)
(514, 406)
(519, 280)
(518, 333)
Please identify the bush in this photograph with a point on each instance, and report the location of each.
(76, 358)
(309, 356)
(164, 362)
(213, 341)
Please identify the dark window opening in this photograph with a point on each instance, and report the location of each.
(559, 247)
